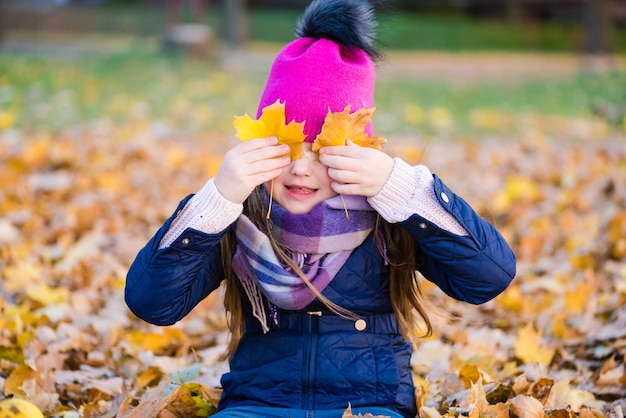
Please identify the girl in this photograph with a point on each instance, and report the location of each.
(322, 307)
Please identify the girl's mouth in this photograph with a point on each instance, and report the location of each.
(300, 191)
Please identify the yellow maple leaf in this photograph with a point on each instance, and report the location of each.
(19, 408)
(530, 349)
(149, 377)
(577, 299)
(272, 123)
(15, 382)
(47, 295)
(157, 341)
(470, 374)
(338, 127)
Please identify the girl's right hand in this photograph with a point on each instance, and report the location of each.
(249, 164)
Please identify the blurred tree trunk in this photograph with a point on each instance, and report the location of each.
(177, 11)
(514, 11)
(2, 21)
(236, 21)
(187, 30)
(599, 26)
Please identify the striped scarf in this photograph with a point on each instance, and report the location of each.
(319, 242)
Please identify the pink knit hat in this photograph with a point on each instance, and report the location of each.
(313, 74)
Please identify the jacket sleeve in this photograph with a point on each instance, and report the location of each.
(473, 268)
(164, 285)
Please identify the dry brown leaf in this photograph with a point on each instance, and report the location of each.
(477, 399)
(526, 407)
(16, 380)
(540, 389)
(144, 406)
(608, 376)
(421, 396)
(499, 410)
(563, 396)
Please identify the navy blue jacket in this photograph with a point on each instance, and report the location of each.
(318, 360)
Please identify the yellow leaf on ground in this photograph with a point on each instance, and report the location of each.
(470, 374)
(530, 348)
(18, 408)
(517, 189)
(157, 341)
(19, 276)
(149, 377)
(15, 381)
(47, 295)
(512, 299)
(577, 299)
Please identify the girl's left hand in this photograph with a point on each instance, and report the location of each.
(356, 170)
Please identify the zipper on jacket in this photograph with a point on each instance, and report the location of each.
(311, 356)
(309, 325)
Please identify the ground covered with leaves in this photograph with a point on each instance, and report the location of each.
(78, 202)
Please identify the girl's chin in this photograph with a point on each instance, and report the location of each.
(299, 207)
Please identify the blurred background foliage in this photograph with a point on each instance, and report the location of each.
(454, 25)
(64, 63)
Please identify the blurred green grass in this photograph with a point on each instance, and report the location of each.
(445, 32)
(143, 85)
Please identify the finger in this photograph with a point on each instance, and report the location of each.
(258, 143)
(346, 189)
(341, 162)
(271, 164)
(340, 150)
(348, 150)
(344, 176)
(266, 176)
(268, 152)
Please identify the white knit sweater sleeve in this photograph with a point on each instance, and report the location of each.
(410, 190)
(207, 211)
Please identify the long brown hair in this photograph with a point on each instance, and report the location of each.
(404, 289)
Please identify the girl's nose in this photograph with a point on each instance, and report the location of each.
(302, 166)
